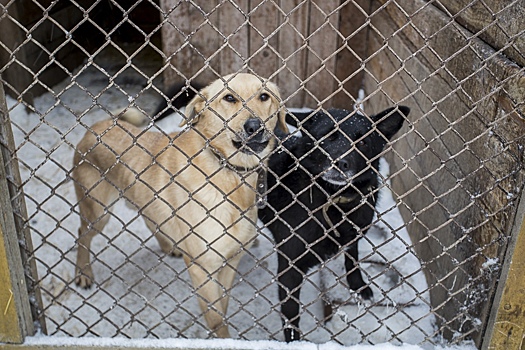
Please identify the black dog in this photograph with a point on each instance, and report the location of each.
(322, 193)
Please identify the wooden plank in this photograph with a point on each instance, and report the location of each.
(499, 23)
(452, 169)
(293, 51)
(10, 328)
(349, 61)
(16, 321)
(190, 40)
(506, 329)
(322, 48)
(264, 38)
(234, 28)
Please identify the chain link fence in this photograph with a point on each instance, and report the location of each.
(451, 177)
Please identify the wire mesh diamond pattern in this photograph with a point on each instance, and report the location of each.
(449, 180)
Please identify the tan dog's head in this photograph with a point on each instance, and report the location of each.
(239, 114)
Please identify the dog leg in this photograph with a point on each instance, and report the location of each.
(83, 271)
(210, 294)
(93, 218)
(226, 278)
(290, 281)
(354, 277)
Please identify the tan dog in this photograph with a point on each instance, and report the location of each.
(195, 189)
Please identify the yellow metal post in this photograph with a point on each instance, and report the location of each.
(506, 329)
(9, 326)
(15, 313)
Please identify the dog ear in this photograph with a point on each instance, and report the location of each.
(300, 118)
(194, 109)
(281, 122)
(391, 120)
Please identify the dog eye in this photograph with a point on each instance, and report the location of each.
(229, 98)
(361, 143)
(264, 97)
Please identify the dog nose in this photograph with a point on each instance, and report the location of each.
(252, 125)
(343, 165)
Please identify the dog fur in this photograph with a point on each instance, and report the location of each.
(324, 202)
(194, 189)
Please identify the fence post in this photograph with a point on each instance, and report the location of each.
(506, 326)
(16, 320)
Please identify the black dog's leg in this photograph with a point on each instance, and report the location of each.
(354, 277)
(290, 280)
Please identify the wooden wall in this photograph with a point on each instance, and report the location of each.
(309, 49)
(458, 167)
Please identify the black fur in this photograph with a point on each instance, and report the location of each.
(337, 173)
(178, 96)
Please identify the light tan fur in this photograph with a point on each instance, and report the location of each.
(193, 204)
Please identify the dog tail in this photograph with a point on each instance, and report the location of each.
(177, 96)
(133, 116)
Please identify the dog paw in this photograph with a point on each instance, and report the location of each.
(366, 293)
(84, 278)
(291, 334)
(83, 282)
(176, 253)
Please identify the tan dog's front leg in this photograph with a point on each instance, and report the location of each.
(211, 296)
(226, 277)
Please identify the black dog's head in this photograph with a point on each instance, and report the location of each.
(343, 147)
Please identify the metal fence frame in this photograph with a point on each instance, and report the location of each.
(505, 328)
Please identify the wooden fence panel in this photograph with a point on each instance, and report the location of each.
(353, 52)
(292, 48)
(234, 29)
(450, 172)
(499, 23)
(191, 40)
(295, 43)
(264, 39)
(323, 42)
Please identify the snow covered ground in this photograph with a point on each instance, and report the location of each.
(142, 293)
(226, 344)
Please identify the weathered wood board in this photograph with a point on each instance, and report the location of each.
(296, 44)
(457, 168)
(498, 23)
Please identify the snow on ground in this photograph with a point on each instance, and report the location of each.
(141, 293)
(229, 344)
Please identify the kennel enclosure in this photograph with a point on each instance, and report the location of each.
(456, 168)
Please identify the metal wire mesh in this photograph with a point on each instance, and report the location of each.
(451, 177)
